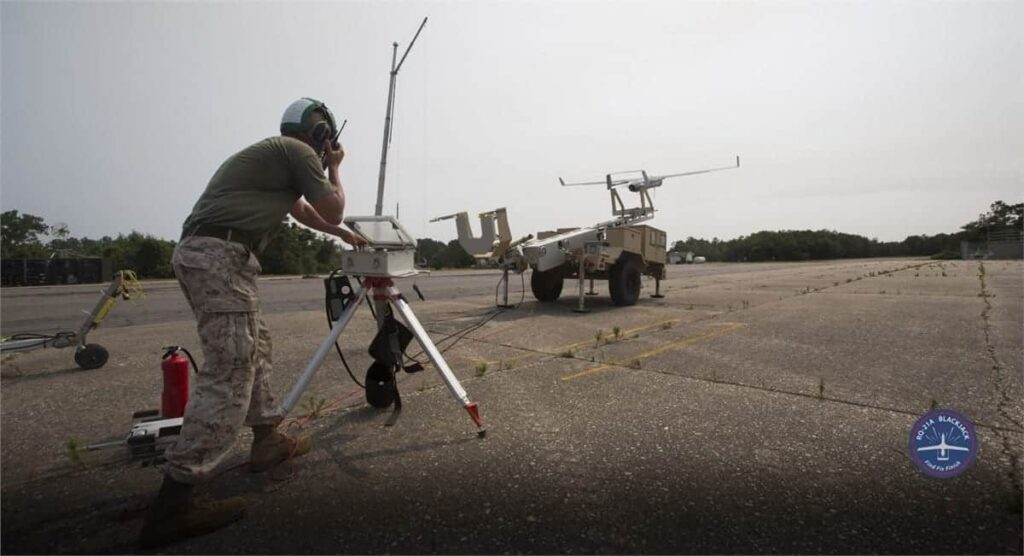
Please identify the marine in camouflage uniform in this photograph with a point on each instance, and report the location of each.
(218, 278)
(216, 265)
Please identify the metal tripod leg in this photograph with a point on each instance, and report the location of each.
(325, 346)
(454, 388)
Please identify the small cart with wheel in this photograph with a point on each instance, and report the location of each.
(87, 356)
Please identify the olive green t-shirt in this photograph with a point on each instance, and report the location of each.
(256, 187)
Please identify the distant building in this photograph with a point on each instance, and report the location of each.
(676, 257)
(1002, 244)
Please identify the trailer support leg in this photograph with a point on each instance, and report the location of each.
(504, 297)
(580, 308)
(657, 289)
(591, 292)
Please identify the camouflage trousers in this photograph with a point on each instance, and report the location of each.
(232, 388)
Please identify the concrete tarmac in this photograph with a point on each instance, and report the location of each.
(757, 408)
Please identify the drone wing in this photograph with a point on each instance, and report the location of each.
(561, 181)
(701, 171)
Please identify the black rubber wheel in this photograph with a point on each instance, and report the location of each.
(380, 390)
(92, 356)
(547, 285)
(624, 281)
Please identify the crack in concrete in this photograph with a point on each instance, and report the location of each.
(550, 356)
(1000, 382)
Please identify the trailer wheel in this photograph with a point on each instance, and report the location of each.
(624, 281)
(547, 285)
(92, 356)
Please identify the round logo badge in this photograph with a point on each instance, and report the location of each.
(943, 443)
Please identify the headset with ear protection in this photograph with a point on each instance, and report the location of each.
(296, 119)
(322, 131)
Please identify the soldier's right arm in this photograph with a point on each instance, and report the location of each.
(333, 204)
(325, 195)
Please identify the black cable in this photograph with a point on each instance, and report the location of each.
(36, 336)
(174, 349)
(522, 291)
(330, 320)
(461, 333)
(195, 367)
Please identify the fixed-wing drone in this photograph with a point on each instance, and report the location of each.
(619, 250)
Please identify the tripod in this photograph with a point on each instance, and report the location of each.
(383, 292)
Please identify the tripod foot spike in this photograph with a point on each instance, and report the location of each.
(474, 413)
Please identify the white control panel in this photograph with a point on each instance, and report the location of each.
(379, 263)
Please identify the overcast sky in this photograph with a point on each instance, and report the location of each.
(884, 119)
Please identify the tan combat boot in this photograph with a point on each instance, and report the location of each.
(270, 447)
(175, 516)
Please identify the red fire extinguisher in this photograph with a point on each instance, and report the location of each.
(175, 395)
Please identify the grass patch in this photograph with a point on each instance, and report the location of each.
(73, 449)
(480, 368)
(314, 406)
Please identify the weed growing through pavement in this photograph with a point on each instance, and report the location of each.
(821, 387)
(73, 449)
(933, 405)
(597, 337)
(616, 331)
(635, 364)
(746, 303)
(666, 325)
(481, 368)
(567, 354)
(314, 406)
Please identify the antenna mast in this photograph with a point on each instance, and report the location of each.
(379, 210)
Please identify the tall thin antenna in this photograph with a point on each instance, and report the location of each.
(379, 209)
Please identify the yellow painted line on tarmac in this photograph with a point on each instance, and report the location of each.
(720, 330)
(609, 337)
(560, 349)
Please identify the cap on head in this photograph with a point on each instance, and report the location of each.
(298, 118)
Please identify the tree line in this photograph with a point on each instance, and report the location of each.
(293, 249)
(298, 250)
(804, 245)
